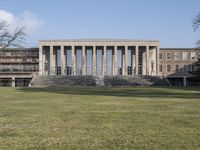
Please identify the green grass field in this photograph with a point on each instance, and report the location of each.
(92, 118)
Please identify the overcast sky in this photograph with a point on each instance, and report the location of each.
(169, 21)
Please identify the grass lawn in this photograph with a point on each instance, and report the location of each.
(92, 118)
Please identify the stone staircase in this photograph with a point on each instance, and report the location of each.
(135, 81)
(99, 81)
(60, 81)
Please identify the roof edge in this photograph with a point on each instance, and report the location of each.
(98, 40)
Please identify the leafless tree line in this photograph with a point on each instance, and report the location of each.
(196, 25)
(8, 38)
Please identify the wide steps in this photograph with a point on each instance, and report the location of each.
(59, 81)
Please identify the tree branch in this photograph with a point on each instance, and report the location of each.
(196, 22)
(8, 39)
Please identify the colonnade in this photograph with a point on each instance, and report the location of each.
(72, 57)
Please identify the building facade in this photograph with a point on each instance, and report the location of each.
(17, 66)
(177, 63)
(98, 57)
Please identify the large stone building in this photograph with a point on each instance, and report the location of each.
(100, 58)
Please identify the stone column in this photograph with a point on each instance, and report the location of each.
(94, 61)
(83, 61)
(115, 61)
(63, 60)
(136, 59)
(152, 61)
(13, 81)
(157, 59)
(144, 61)
(41, 61)
(133, 61)
(52, 62)
(147, 60)
(125, 67)
(123, 61)
(104, 62)
(73, 61)
(45, 63)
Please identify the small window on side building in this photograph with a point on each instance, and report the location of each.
(176, 56)
(185, 55)
(160, 56)
(168, 68)
(168, 56)
(160, 68)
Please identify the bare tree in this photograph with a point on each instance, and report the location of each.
(11, 39)
(196, 25)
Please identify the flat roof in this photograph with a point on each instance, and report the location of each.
(24, 48)
(99, 40)
(179, 48)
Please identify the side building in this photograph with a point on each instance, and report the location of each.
(18, 66)
(176, 63)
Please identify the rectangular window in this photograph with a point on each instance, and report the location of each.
(160, 68)
(176, 56)
(129, 61)
(89, 65)
(119, 61)
(193, 56)
(109, 60)
(160, 56)
(168, 68)
(168, 56)
(99, 61)
(69, 61)
(176, 68)
(185, 55)
(78, 61)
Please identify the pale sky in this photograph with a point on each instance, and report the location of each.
(169, 21)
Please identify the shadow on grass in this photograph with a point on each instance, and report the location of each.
(157, 92)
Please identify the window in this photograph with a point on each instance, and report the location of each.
(69, 61)
(168, 68)
(58, 70)
(193, 56)
(176, 56)
(185, 55)
(160, 56)
(129, 70)
(168, 56)
(160, 68)
(176, 68)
